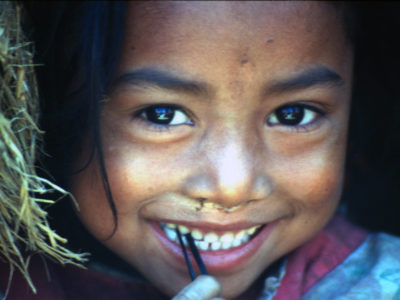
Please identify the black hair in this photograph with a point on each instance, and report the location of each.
(77, 47)
(78, 44)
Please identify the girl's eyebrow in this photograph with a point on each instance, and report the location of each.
(316, 75)
(158, 78)
(309, 77)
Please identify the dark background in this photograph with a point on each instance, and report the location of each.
(372, 189)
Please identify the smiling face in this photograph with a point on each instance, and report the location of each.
(225, 117)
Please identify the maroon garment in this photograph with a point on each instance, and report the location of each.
(72, 283)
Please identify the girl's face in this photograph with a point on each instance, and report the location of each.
(225, 117)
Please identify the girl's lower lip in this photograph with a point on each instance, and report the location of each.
(216, 261)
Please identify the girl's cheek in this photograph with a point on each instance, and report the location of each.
(93, 209)
(319, 185)
(136, 174)
(313, 174)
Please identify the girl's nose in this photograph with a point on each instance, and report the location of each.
(230, 172)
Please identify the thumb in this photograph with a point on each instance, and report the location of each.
(204, 287)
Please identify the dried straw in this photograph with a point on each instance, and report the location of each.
(24, 229)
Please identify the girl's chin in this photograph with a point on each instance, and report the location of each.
(233, 285)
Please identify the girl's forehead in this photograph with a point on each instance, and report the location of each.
(230, 32)
(237, 15)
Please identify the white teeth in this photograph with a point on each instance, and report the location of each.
(216, 246)
(183, 229)
(171, 234)
(236, 243)
(169, 225)
(240, 235)
(245, 238)
(202, 245)
(227, 237)
(226, 245)
(211, 237)
(209, 241)
(252, 230)
(197, 235)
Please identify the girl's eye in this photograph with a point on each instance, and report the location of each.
(294, 115)
(164, 115)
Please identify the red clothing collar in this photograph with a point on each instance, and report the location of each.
(312, 261)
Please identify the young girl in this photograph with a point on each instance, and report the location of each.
(228, 120)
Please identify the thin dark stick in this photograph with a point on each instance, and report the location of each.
(196, 254)
(189, 265)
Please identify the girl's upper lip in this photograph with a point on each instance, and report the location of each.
(177, 209)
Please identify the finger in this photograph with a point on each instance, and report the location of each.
(204, 287)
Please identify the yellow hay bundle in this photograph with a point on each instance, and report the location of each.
(23, 224)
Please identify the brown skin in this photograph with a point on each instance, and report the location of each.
(228, 152)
